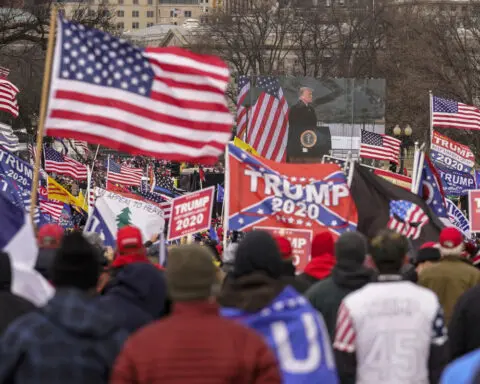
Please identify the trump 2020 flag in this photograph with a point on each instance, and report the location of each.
(308, 197)
(113, 211)
(297, 334)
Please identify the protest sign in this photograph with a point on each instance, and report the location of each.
(191, 213)
(456, 183)
(262, 192)
(447, 153)
(301, 241)
(457, 218)
(474, 210)
(113, 211)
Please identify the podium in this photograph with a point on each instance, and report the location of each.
(308, 145)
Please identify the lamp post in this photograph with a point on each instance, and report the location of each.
(404, 135)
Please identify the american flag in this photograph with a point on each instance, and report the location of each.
(8, 97)
(153, 197)
(268, 125)
(345, 335)
(121, 174)
(4, 72)
(452, 114)
(379, 146)
(162, 102)
(64, 165)
(407, 218)
(165, 181)
(8, 139)
(242, 112)
(79, 144)
(51, 207)
(32, 150)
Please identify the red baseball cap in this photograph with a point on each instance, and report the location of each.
(284, 246)
(50, 236)
(129, 238)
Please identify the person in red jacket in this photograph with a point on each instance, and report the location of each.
(195, 344)
(322, 261)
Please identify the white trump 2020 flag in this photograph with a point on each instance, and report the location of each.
(113, 211)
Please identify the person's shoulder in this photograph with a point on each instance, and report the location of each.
(462, 370)
(25, 327)
(320, 286)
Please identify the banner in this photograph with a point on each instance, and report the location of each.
(265, 193)
(447, 153)
(17, 171)
(242, 145)
(113, 211)
(457, 218)
(191, 213)
(395, 178)
(474, 210)
(456, 183)
(301, 241)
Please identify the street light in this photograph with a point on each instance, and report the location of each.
(404, 136)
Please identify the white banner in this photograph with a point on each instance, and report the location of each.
(457, 218)
(113, 211)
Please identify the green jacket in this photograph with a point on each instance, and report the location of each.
(449, 279)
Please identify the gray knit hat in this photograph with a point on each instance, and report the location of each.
(190, 273)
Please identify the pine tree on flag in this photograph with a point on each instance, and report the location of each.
(124, 219)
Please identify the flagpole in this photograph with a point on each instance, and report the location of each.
(226, 198)
(89, 187)
(43, 108)
(108, 169)
(420, 167)
(415, 167)
(431, 117)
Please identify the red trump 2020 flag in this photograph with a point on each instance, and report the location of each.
(161, 102)
(264, 193)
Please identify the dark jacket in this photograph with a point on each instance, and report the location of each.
(195, 345)
(137, 295)
(326, 295)
(317, 269)
(71, 340)
(251, 292)
(44, 261)
(290, 278)
(464, 332)
(449, 278)
(11, 306)
(301, 117)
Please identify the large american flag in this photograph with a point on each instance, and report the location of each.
(452, 114)
(8, 97)
(379, 146)
(242, 112)
(153, 197)
(64, 165)
(407, 218)
(162, 102)
(268, 125)
(121, 174)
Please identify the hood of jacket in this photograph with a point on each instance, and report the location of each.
(352, 279)
(80, 314)
(250, 293)
(141, 284)
(321, 266)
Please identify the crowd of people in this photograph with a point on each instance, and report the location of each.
(360, 312)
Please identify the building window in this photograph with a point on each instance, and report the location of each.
(150, 2)
(187, 13)
(135, 25)
(150, 14)
(149, 25)
(120, 13)
(120, 2)
(135, 2)
(104, 2)
(120, 25)
(135, 13)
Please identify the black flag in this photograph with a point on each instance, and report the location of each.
(381, 204)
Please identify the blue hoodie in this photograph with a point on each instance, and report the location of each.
(137, 295)
(462, 370)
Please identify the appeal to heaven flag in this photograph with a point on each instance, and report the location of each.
(112, 212)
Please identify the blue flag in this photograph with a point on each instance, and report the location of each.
(430, 189)
(477, 179)
(456, 183)
(220, 193)
(297, 334)
(97, 223)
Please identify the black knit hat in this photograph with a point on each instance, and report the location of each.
(427, 254)
(76, 264)
(258, 252)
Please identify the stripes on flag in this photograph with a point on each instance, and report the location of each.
(242, 112)
(79, 144)
(379, 146)
(64, 165)
(407, 218)
(121, 174)
(158, 200)
(8, 139)
(452, 114)
(268, 123)
(8, 97)
(51, 207)
(4, 72)
(166, 103)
